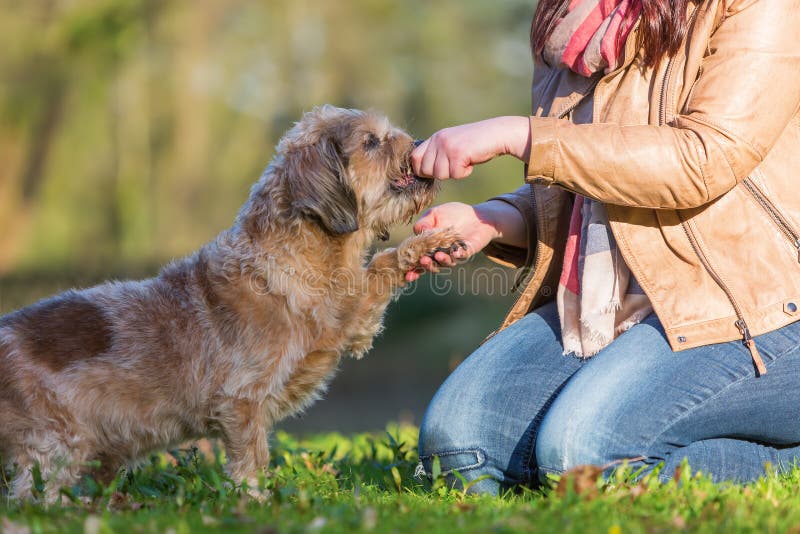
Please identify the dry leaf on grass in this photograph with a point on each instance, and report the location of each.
(582, 479)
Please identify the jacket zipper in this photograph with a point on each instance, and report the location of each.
(774, 213)
(741, 324)
(572, 105)
(662, 105)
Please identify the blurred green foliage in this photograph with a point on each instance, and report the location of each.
(131, 130)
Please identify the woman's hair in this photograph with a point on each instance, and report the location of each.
(663, 26)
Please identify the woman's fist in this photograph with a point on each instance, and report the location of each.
(453, 152)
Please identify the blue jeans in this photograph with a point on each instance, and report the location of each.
(518, 409)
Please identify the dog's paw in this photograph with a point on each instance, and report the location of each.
(428, 243)
(252, 488)
(261, 496)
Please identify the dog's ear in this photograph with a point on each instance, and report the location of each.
(317, 178)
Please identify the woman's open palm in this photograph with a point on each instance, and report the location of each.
(467, 221)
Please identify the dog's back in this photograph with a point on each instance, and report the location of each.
(59, 331)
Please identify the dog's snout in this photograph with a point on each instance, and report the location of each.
(418, 142)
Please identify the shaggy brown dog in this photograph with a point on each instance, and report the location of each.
(223, 343)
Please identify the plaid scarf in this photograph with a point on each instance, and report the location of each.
(590, 36)
(597, 297)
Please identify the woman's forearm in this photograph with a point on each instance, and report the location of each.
(508, 222)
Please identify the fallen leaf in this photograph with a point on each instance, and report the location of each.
(118, 501)
(638, 490)
(209, 521)
(582, 479)
(677, 475)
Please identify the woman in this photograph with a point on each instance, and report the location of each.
(660, 225)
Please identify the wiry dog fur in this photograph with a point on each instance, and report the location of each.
(223, 343)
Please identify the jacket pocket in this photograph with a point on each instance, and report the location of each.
(783, 224)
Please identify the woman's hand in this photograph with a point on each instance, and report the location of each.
(478, 226)
(467, 221)
(453, 152)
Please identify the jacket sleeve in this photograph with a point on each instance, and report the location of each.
(508, 255)
(747, 94)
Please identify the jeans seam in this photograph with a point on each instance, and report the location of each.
(549, 470)
(782, 354)
(480, 455)
(527, 470)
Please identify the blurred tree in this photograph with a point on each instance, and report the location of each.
(130, 130)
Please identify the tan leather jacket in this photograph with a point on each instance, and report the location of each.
(698, 162)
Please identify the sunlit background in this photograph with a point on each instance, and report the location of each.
(131, 131)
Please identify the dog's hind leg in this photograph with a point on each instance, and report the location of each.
(42, 471)
(33, 448)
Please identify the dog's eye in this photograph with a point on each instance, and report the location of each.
(371, 142)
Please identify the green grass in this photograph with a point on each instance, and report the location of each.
(333, 483)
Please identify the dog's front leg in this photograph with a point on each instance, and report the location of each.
(305, 384)
(244, 425)
(387, 270)
(386, 273)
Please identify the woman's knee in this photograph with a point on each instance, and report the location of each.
(605, 414)
(450, 432)
(451, 440)
(575, 431)
(562, 445)
(460, 431)
(479, 422)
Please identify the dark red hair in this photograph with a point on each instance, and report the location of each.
(662, 29)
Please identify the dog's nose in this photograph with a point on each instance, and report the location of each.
(418, 142)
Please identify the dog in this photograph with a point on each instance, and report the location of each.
(223, 343)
